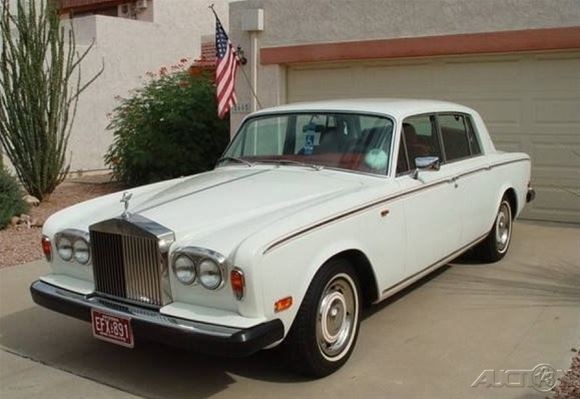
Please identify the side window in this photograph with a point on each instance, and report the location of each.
(454, 135)
(421, 137)
(472, 137)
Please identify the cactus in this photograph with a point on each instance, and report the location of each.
(40, 84)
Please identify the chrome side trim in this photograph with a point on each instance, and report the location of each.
(472, 172)
(393, 197)
(509, 162)
(351, 212)
(422, 273)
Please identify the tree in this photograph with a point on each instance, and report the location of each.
(40, 84)
(166, 129)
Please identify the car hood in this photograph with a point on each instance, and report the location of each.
(221, 207)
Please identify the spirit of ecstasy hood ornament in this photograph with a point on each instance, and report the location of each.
(125, 200)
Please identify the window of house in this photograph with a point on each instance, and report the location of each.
(421, 137)
(454, 135)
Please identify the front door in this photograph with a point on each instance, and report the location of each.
(432, 212)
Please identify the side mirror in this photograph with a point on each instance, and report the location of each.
(426, 163)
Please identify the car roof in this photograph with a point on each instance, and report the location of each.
(395, 107)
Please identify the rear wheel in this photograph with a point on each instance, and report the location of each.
(325, 329)
(497, 242)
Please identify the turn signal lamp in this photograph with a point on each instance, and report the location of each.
(46, 248)
(283, 304)
(238, 283)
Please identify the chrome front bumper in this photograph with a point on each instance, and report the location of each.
(150, 325)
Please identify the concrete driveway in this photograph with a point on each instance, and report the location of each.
(433, 340)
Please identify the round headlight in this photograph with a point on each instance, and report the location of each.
(184, 269)
(64, 248)
(210, 274)
(81, 251)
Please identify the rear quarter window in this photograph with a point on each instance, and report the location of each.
(454, 135)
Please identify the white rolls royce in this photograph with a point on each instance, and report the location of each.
(314, 211)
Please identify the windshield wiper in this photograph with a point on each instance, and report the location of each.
(290, 162)
(234, 159)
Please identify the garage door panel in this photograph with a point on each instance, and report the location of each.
(560, 111)
(560, 153)
(399, 78)
(322, 83)
(556, 203)
(530, 102)
(555, 72)
(484, 75)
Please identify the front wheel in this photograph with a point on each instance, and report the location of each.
(496, 244)
(325, 329)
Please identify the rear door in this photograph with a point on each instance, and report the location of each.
(475, 191)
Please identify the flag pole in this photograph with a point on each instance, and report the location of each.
(242, 60)
(251, 87)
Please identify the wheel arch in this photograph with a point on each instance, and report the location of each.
(364, 270)
(512, 198)
(294, 280)
(506, 190)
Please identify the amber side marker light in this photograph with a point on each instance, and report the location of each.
(238, 283)
(46, 248)
(283, 304)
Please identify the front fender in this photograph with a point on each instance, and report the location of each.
(289, 270)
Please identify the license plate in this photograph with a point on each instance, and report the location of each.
(114, 329)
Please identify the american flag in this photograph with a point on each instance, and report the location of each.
(227, 63)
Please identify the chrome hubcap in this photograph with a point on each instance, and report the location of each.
(503, 225)
(337, 316)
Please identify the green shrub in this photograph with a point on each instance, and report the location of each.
(11, 202)
(167, 129)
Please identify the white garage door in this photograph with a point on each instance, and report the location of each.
(531, 103)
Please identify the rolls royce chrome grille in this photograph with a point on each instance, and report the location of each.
(130, 260)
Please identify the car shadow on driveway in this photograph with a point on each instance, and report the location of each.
(151, 370)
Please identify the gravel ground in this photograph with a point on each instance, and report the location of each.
(569, 387)
(21, 244)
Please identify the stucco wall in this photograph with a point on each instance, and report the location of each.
(306, 21)
(129, 49)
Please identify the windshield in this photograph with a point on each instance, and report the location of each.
(349, 141)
